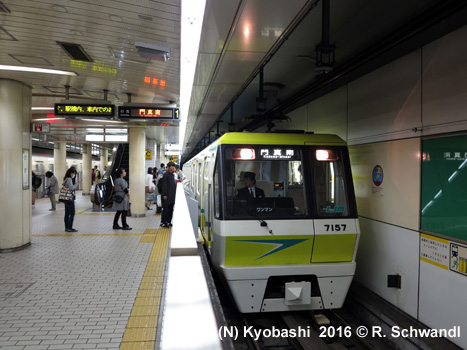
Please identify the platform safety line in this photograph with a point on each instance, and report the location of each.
(97, 214)
(140, 332)
(87, 234)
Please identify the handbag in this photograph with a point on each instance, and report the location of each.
(149, 189)
(128, 213)
(65, 195)
(46, 191)
(117, 198)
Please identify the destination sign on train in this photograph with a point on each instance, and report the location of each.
(278, 153)
(85, 110)
(147, 113)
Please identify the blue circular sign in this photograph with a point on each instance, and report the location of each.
(377, 175)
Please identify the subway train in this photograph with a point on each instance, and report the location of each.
(290, 245)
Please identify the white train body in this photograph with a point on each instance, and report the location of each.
(293, 247)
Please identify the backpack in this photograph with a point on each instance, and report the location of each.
(159, 185)
(37, 182)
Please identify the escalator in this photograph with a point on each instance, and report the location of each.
(101, 193)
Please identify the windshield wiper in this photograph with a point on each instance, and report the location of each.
(262, 222)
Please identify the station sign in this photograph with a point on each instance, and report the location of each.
(148, 113)
(35, 127)
(84, 110)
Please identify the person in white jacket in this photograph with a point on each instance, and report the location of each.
(149, 188)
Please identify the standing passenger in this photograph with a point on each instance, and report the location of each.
(121, 189)
(149, 189)
(168, 195)
(53, 189)
(33, 180)
(70, 205)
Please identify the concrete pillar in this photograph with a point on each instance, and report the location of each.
(162, 154)
(87, 169)
(137, 140)
(60, 167)
(15, 165)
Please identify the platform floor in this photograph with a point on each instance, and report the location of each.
(97, 288)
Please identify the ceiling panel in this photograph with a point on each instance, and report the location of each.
(222, 93)
(204, 68)
(261, 23)
(107, 31)
(217, 22)
(244, 63)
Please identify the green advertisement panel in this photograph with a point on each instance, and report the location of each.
(444, 186)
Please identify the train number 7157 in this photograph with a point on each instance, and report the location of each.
(336, 227)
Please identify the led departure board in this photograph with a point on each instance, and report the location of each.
(84, 110)
(148, 113)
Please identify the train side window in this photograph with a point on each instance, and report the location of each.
(198, 174)
(216, 191)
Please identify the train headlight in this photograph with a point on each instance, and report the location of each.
(326, 155)
(243, 153)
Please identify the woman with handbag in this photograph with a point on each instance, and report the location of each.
(149, 189)
(121, 200)
(70, 204)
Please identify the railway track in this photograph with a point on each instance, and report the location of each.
(326, 330)
(304, 330)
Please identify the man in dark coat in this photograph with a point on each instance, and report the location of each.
(250, 191)
(168, 195)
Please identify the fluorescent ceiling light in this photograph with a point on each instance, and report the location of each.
(172, 153)
(42, 108)
(45, 119)
(115, 131)
(36, 70)
(116, 138)
(103, 121)
(96, 138)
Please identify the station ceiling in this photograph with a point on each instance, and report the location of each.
(239, 38)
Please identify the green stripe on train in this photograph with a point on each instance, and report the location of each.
(255, 250)
(280, 139)
(333, 248)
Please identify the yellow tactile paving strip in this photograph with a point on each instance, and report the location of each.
(140, 332)
(149, 236)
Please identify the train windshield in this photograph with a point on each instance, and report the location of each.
(329, 182)
(264, 182)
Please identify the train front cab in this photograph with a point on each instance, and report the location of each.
(295, 248)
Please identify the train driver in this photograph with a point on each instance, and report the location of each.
(250, 191)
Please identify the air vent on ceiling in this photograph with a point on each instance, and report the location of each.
(153, 51)
(4, 9)
(75, 51)
(145, 18)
